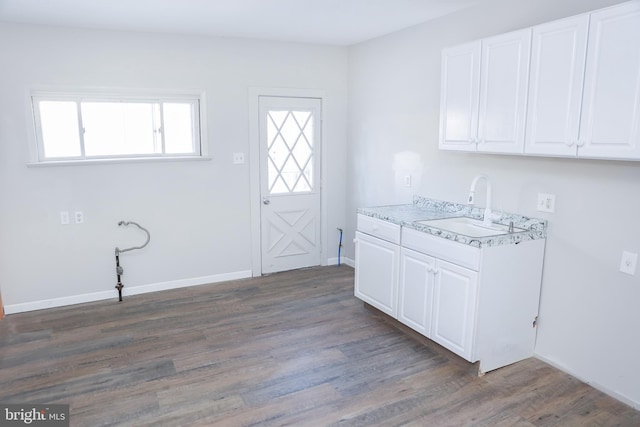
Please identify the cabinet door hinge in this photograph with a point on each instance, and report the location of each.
(535, 322)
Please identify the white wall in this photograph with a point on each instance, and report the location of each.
(198, 212)
(590, 312)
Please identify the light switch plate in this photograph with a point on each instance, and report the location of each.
(64, 217)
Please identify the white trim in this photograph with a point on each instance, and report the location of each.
(133, 290)
(600, 387)
(254, 94)
(118, 160)
(343, 260)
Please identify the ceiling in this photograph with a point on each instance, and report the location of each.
(335, 22)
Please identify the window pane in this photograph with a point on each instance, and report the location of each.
(59, 124)
(118, 128)
(178, 128)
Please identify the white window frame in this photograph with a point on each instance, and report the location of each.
(196, 99)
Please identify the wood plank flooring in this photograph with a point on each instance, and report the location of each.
(293, 348)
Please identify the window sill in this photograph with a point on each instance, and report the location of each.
(117, 161)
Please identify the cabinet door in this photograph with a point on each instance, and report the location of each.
(454, 308)
(504, 78)
(416, 290)
(558, 56)
(460, 81)
(610, 124)
(376, 275)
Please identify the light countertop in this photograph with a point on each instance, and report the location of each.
(424, 208)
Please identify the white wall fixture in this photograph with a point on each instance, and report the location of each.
(238, 158)
(628, 263)
(79, 217)
(64, 217)
(546, 202)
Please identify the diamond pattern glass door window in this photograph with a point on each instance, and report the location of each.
(290, 151)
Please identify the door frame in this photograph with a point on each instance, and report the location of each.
(254, 167)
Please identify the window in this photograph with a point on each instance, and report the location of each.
(106, 126)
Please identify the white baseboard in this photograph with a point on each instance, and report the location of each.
(604, 389)
(133, 290)
(344, 260)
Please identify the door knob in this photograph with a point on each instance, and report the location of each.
(266, 201)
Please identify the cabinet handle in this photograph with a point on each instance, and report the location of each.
(569, 143)
(355, 240)
(580, 143)
(436, 271)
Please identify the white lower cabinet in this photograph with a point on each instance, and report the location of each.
(454, 307)
(480, 303)
(437, 299)
(416, 290)
(377, 262)
(376, 279)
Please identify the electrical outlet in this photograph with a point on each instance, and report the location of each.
(64, 217)
(628, 263)
(546, 202)
(238, 158)
(79, 217)
(407, 180)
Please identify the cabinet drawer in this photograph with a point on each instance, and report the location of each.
(448, 250)
(382, 229)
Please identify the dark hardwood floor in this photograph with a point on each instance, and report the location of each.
(293, 348)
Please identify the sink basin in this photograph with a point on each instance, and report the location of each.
(468, 226)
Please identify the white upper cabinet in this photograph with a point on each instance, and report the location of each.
(610, 126)
(504, 79)
(484, 92)
(459, 97)
(558, 54)
(580, 96)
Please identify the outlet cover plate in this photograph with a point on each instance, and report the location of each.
(546, 202)
(79, 217)
(628, 263)
(238, 158)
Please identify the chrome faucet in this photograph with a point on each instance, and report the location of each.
(472, 193)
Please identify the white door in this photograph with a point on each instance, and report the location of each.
(416, 290)
(610, 124)
(459, 97)
(504, 79)
(454, 308)
(376, 277)
(558, 55)
(290, 137)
